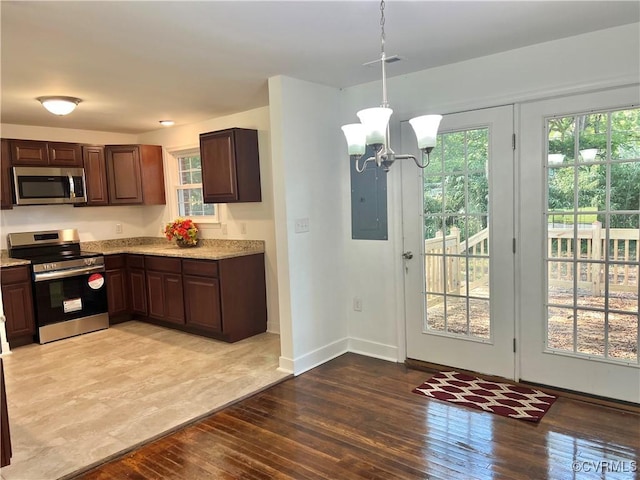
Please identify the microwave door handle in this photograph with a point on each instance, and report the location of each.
(72, 187)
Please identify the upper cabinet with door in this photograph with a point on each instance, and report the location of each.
(95, 172)
(42, 154)
(230, 166)
(6, 195)
(135, 175)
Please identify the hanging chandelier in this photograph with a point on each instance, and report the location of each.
(374, 127)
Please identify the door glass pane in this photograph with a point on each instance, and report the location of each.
(593, 231)
(560, 328)
(561, 140)
(561, 193)
(456, 315)
(591, 187)
(456, 241)
(622, 330)
(592, 141)
(590, 328)
(625, 134)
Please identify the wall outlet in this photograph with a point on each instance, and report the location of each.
(357, 304)
(302, 225)
(118, 228)
(243, 228)
(224, 229)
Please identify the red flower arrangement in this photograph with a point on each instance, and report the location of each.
(183, 230)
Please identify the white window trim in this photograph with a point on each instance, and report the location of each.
(173, 180)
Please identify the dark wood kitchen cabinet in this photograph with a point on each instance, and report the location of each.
(17, 299)
(37, 153)
(225, 299)
(117, 283)
(137, 285)
(164, 289)
(6, 190)
(29, 153)
(230, 166)
(135, 174)
(243, 296)
(202, 295)
(95, 172)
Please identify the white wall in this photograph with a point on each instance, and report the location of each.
(600, 59)
(308, 172)
(93, 223)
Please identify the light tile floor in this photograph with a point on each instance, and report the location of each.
(78, 401)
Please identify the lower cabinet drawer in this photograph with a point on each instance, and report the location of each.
(163, 264)
(202, 268)
(15, 274)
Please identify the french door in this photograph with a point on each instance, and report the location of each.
(579, 243)
(458, 227)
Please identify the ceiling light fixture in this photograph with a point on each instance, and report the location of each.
(59, 105)
(374, 127)
(167, 123)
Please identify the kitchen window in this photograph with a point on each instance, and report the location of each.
(188, 199)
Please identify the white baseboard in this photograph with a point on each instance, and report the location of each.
(319, 356)
(329, 352)
(374, 349)
(285, 365)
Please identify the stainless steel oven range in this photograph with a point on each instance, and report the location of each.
(70, 293)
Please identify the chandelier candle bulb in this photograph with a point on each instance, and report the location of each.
(356, 138)
(375, 122)
(426, 130)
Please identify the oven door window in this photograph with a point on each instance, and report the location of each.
(68, 298)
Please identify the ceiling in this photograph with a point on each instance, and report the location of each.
(135, 63)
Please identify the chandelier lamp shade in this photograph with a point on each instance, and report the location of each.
(59, 105)
(373, 128)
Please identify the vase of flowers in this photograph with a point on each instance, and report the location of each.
(184, 231)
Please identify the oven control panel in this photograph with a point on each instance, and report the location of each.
(67, 265)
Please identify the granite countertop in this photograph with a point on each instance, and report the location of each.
(208, 249)
(6, 261)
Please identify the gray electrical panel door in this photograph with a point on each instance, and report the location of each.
(368, 201)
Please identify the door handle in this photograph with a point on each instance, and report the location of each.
(407, 255)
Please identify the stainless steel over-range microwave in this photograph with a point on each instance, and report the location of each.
(48, 185)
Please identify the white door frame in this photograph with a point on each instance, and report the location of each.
(474, 355)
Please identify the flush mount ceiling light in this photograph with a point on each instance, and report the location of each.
(167, 123)
(59, 105)
(374, 127)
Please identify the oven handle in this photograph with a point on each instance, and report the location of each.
(71, 272)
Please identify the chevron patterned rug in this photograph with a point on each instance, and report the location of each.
(500, 398)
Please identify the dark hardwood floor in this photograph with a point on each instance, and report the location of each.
(356, 418)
